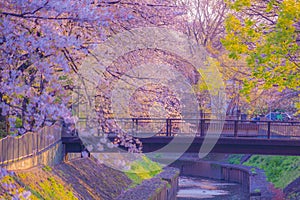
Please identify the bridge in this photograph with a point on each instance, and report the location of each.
(234, 136)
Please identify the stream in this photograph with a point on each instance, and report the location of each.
(191, 188)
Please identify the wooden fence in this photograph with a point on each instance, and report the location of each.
(29, 144)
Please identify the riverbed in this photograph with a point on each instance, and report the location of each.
(192, 188)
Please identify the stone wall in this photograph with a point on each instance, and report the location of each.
(163, 186)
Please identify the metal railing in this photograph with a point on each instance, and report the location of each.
(29, 144)
(201, 127)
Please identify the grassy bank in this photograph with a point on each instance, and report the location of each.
(82, 178)
(143, 169)
(280, 170)
(37, 184)
(43, 184)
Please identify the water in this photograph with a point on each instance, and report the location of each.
(192, 188)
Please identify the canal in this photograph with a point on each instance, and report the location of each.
(192, 188)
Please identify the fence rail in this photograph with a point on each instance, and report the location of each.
(29, 144)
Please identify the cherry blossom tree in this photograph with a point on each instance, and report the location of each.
(42, 44)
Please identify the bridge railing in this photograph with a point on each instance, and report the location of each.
(31, 143)
(202, 127)
(146, 127)
(291, 129)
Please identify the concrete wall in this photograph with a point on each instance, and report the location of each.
(50, 156)
(192, 168)
(253, 181)
(171, 176)
(237, 174)
(164, 186)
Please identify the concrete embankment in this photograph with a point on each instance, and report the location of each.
(163, 186)
(292, 191)
(83, 178)
(45, 175)
(252, 179)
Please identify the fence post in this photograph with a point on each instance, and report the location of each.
(132, 125)
(235, 128)
(18, 149)
(170, 127)
(2, 157)
(13, 150)
(269, 130)
(44, 139)
(7, 150)
(37, 142)
(202, 127)
(136, 125)
(167, 127)
(32, 145)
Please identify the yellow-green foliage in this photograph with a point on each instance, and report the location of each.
(5, 193)
(280, 170)
(270, 49)
(8, 180)
(44, 185)
(47, 168)
(52, 189)
(143, 169)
